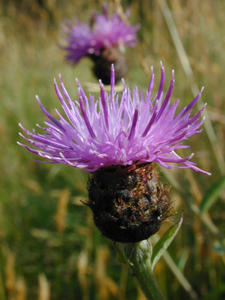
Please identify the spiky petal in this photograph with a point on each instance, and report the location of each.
(133, 128)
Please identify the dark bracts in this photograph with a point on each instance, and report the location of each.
(104, 61)
(127, 202)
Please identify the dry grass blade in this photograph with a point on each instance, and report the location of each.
(10, 277)
(189, 73)
(83, 270)
(60, 217)
(106, 285)
(21, 289)
(123, 282)
(141, 295)
(44, 288)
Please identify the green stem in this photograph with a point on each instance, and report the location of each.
(2, 290)
(138, 257)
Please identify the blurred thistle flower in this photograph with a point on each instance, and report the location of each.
(118, 138)
(102, 41)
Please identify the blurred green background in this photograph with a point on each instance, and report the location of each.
(49, 247)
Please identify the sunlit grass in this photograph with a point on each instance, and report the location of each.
(48, 241)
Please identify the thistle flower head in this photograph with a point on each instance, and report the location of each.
(135, 127)
(105, 32)
(117, 138)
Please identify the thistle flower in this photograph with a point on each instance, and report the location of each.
(101, 41)
(118, 138)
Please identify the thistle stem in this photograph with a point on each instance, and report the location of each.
(138, 257)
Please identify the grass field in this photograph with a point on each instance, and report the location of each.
(49, 247)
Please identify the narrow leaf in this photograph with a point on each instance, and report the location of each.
(179, 275)
(183, 260)
(164, 242)
(212, 194)
(219, 247)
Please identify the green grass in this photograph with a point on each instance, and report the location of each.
(71, 258)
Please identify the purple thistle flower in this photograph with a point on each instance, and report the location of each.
(105, 33)
(134, 128)
(80, 42)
